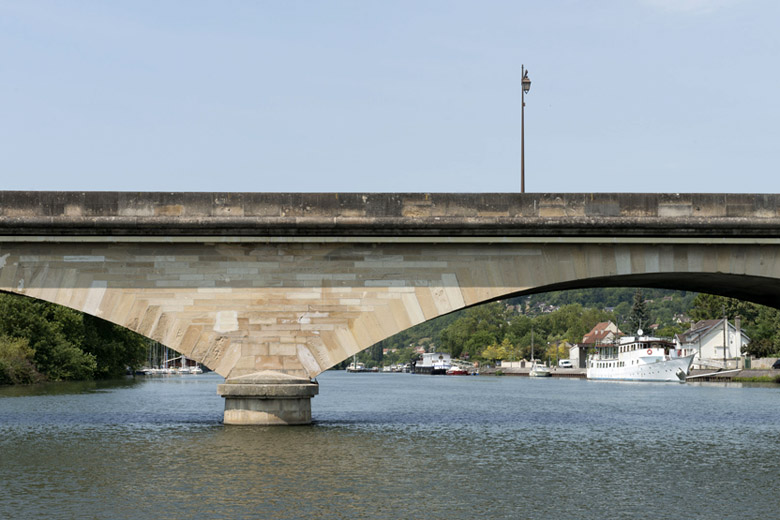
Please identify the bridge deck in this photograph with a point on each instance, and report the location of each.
(388, 214)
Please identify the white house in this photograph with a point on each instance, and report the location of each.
(706, 338)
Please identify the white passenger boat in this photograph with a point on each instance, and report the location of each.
(433, 363)
(639, 358)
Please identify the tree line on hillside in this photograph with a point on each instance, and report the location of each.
(665, 305)
(477, 332)
(40, 341)
(500, 331)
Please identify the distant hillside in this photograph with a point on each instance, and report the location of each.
(666, 307)
(470, 325)
(567, 316)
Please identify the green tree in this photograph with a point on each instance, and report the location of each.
(712, 307)
(478, 341)
(16, 362)
(69, 345)
(639, 317)
(510, 351)
(474, 330)
(47, 329)
(492, 353)
(556, 350)
(115, 348)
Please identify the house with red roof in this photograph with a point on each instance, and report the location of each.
(604, 332)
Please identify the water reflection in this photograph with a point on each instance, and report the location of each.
(396, 446)
(68, 387)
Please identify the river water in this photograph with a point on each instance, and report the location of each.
(390, 446)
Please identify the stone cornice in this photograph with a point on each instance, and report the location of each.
(387, 215)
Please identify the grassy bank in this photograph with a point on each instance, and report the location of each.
(759, 379)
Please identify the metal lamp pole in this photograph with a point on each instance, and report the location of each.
(526, 83)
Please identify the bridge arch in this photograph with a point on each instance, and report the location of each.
(756, 289)
(280, 287)
(301, 308)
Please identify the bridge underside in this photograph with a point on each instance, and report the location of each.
(756, 289)
(301, 308)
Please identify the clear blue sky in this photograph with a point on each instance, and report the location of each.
(627, 95)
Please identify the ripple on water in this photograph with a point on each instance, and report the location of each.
(395, 446)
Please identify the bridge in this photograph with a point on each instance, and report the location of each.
(269, 290)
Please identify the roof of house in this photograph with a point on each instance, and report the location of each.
(599, 333)
(701, 328)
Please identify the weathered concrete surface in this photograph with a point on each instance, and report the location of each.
(268, 399)
(388, 214)
(296, 283)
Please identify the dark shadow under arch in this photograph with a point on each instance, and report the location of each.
(756, 289)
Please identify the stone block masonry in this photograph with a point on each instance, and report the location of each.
(293, 284)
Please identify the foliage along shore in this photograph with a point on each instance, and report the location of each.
(40, 342)
(502, 330)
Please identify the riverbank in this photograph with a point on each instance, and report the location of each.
(745, 376)
(576, 373)
(763, 376)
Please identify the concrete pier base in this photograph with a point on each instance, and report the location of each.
(268, 399)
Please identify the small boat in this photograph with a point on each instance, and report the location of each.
(457, 371)
(639, 358)
(539, 370)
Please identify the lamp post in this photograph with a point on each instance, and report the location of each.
(526, 83)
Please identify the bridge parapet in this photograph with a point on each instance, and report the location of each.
(386, 214)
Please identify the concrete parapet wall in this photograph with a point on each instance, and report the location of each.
(388, 214)
(763, 363)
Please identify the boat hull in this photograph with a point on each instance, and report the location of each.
(457, 372)
(427, 369)
(669, 370)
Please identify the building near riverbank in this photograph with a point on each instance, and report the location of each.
(604, 332)
(717, 343)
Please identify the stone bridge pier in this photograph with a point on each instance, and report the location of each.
(270, 290)
(268, 398)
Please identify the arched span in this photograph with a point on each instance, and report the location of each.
(302, 307)
(756, 289)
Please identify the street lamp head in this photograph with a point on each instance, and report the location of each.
(526, 82)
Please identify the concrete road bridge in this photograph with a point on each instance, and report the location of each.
(271, 289)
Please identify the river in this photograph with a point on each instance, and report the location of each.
(390, 446)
